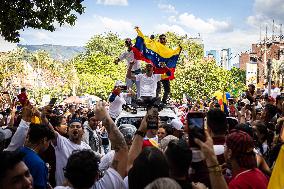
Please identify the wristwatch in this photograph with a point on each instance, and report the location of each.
(140, 133)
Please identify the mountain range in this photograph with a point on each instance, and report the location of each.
(57, 52)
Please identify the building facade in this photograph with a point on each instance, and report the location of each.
(260, 54)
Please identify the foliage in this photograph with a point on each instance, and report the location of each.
(277, 71)
(194, 76)
(57, 52)
(96, 68)
(204, 77)
(20, 14)
(36, 71)
(94, 71)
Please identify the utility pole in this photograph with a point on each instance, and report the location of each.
(281, 36)
(269, 76)
(265, 50)
(260, 34)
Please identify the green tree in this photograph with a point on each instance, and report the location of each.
(19, 14)
(96, 69)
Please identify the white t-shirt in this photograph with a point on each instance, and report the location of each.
(129, 57)
(63, 150)
(274, 92)
(106, 160)
(111, 180)
(115, 107)
(148, 85)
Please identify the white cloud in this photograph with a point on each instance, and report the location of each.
(5, 45)
(172, 19)
(163, 28)
(116, 25)
(113, 2)
(204, 26)
(167, 8)
(78, 35)
(41, 36)
(265, 11)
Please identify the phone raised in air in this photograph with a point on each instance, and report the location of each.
(195, 122)
(52, 102)
(153, 118)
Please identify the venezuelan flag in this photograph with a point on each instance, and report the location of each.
(156, 53)
(277, 177)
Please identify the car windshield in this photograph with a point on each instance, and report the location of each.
(137, 120)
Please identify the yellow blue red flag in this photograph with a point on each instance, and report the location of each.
(157, 53)
(277, 178)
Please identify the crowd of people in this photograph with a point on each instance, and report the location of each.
(79, 147)
(231, 145)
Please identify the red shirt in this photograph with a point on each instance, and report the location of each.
(22, 98)
(249, 179)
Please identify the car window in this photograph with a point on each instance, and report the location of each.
(137, 120)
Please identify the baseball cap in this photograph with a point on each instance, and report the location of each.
(239, 142)
(177, 124)
(242, 146)
(5, 134)
(119, 83)
(127, 131)
(246, 101)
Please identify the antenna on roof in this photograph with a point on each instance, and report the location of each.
(273, 31)
(265, 33)
(281, 35)
(260, 33)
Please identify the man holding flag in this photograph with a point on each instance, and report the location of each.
(157, 54)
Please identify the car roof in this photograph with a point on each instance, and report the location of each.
(141, 112)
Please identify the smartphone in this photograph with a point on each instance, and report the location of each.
(195, 122)
(52, 101)
(153, 118)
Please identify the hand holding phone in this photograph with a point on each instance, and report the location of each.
(52, 101)
(152, 118)
(195, 122)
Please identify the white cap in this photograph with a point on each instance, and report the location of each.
(246, 101)
(177, 124)
(119, 83)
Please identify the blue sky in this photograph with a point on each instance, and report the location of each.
(222, 23)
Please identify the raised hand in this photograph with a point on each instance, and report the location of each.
(100, 111)
(27, 113)
(207, 149)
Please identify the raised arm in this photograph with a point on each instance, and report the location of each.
(137, 143)
(217, 179)
(117, 140)
(129, 75)
(19, 137)
(12, 119)
(45, 121)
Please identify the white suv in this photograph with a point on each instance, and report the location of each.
(165, 115)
